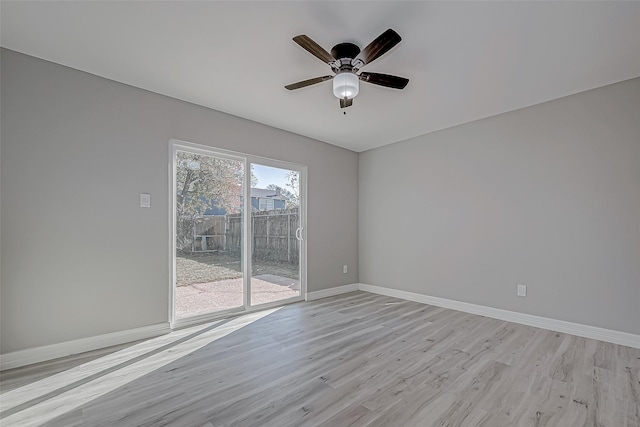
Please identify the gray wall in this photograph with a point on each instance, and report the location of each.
(547, 196)
(79, 257)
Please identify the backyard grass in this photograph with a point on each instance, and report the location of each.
(211, 267)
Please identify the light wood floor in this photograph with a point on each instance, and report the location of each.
(353, 360)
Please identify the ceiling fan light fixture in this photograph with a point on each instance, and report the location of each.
(346, 85)
(346, 60)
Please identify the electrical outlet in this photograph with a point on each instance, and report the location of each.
(345, 269)
(522, 290)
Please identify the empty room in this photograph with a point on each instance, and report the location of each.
(320, 213)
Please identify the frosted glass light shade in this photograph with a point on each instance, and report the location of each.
(346, 85)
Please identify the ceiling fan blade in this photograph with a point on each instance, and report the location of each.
(314, 48)
(379, 46)
(309, 82)
(346, 102)
(386, 80)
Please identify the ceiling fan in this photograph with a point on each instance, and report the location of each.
(346, 60)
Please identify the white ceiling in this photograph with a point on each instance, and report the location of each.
(465, 60)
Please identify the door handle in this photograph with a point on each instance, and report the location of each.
(299, 233)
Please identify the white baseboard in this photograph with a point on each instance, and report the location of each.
(324, 293)
(30, 356)
(586, 331)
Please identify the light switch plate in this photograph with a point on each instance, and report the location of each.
(522, 290)
(145, 200)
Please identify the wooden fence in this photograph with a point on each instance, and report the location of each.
(273, 233)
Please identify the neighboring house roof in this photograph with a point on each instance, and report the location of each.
(266, 193)
(256, 193)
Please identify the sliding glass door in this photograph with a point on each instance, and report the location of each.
(238, 232)
(208, 233)
(276, 234)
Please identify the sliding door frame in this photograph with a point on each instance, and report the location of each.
(247, 159)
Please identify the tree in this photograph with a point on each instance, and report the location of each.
(293, 182)
(203, 181)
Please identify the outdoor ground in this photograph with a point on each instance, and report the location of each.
(201, 268)
(212, 282)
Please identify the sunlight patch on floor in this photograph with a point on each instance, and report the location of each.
(66, 397)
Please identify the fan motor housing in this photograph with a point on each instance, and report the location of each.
(345, 50)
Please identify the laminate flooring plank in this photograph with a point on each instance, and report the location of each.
(286, 410)
(62, 376)
(360, 380)
(20, 377)
(253, 382)
(631, 379)
(415, 412)
(269, 344)
(368, 376)
(518, 345)
(458, 412)
(246, 391)
(413, 314)
(553, 404)
(339, 303)
(264, 373)
(384, 352)
(425, 382)
(508, 404)
(353, 415)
